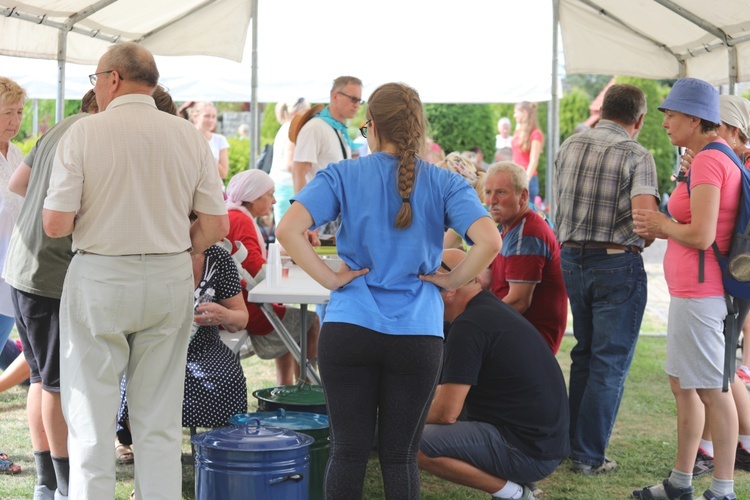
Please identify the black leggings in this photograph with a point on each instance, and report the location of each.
(368, 377)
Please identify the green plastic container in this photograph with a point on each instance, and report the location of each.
(303, 398)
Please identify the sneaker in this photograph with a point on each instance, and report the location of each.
(536, 490)
(743, 372)
(41, 492)
(528, 494)
(742, 458)
(673, 492)
(708, 495)
(704, 463)
(590, 470)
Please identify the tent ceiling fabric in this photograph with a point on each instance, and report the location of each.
(166, 27)
(450, 55)
(652, 38)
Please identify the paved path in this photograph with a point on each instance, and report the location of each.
(658, 295)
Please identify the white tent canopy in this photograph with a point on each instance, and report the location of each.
(166, 27)
(658, 39)
(449, 55)
(472, 51)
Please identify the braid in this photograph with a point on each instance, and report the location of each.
(413, 128)
(399, 115)
(406, 176)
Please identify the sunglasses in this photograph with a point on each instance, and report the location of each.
(363, 128)
(355, 100)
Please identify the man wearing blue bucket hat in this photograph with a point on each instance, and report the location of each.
(704, 211)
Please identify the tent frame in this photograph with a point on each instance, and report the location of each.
(71, 25)
(553, 144)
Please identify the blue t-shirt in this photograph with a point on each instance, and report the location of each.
(391, 298)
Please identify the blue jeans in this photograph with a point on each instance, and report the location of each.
(533, 189)
(607, 295)
(8, 354)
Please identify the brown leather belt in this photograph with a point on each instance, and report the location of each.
(601, 244)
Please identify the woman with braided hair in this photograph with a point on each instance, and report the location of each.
(380, 347)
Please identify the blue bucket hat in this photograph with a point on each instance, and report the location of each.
(693, 97)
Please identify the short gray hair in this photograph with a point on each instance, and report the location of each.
(134, 62)
(518, 176)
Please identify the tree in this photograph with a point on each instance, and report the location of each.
(458, 127)
(574, 109)
(591, 85)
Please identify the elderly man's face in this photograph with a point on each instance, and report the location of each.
(502, 199)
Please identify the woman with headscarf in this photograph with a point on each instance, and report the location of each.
(250, 194)
(697, 308)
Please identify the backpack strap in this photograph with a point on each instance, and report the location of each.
(719, 146)
(341, 143)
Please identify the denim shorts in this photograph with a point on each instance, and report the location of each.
(481, 445)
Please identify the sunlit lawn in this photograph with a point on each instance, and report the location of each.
(643, 442)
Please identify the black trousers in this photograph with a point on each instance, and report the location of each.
(371, 377)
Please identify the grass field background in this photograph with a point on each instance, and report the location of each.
(643, 442)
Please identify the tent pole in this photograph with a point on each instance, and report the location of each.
(62, 49)
(553, 116)
(732, 56)
(254, 112)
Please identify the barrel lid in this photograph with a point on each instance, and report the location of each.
(305, 394)
(294, 420)
(252, 436)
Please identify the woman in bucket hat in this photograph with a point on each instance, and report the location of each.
(695, 340)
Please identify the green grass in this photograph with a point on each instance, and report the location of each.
(643, 442)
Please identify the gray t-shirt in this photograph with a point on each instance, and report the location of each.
(36, 263)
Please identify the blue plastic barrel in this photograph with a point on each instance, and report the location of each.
(252, 461)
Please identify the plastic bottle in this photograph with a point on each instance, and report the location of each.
(207, 296)
(273, 266)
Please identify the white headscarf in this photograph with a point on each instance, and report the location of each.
(248, 186)
(735, 111)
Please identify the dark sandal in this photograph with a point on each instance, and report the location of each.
(673, 492)
(8, 467)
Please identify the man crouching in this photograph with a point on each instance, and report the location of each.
(499, 419)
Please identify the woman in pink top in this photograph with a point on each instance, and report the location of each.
(695, 340)
(734, 112)
(527, 144)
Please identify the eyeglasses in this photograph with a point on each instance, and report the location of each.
(355, 100)
(445, 266)
(363, 128)
(94, 77)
